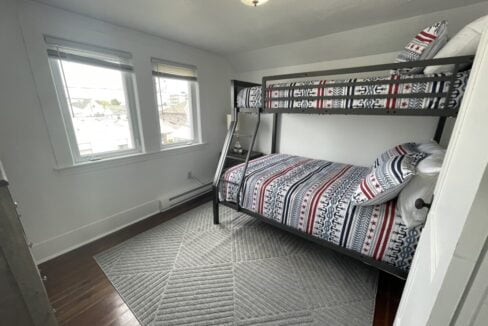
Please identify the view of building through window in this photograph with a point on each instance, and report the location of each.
(174, 107)
(98, 108)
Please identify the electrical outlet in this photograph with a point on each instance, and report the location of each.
(164, 204)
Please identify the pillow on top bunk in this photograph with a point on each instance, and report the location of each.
(424, 45)
(465, 42)
(249, 97)
(386, 180)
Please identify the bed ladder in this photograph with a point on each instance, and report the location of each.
(223, 157)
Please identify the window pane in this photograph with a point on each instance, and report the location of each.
(174, 106)
(98, 108)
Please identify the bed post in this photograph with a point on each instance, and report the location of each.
(439, 129)
(274, 123)
(215, 199)
(442, 120)
(274, 132)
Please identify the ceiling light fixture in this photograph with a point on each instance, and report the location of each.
(254, 3)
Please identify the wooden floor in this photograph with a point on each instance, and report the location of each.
(82, 295)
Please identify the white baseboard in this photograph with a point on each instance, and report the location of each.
(53, 247)
(63, 243)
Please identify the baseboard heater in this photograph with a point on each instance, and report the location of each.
(190, 194)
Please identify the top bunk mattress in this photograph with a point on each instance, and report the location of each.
(251, 97)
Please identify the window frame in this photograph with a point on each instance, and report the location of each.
(194, 103)
(128, 81)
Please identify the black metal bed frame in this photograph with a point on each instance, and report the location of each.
(450, 109)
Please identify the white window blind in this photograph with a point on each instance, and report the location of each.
(96, 93)
(167, 69)
(176, 88)
(88, 54)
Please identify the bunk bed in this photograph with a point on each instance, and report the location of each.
(313, 199)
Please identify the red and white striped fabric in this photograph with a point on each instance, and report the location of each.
(385, 181)
(424, 45)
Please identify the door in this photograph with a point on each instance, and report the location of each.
(453, 237)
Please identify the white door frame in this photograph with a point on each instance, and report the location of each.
(452, 239)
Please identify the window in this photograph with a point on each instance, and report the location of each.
(96, 93)
(176, 95)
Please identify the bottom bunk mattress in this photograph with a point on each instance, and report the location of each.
(314, 197)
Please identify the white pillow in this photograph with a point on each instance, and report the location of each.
(432, 164)
(420, 186)
(429, 147)
(465, 42)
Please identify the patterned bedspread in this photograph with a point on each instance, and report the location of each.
(314, 196)
(251, 97)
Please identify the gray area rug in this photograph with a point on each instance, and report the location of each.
(188, 271)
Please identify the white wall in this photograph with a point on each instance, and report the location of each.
(370, 40)
(350, 139)
(64, 208)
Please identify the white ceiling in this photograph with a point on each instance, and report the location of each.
(228, 26)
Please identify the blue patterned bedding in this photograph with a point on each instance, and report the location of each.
(314, 197)
(251, 97)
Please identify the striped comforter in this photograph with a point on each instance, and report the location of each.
(314, 196)
(251, 97)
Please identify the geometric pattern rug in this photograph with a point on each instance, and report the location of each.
(188, 271)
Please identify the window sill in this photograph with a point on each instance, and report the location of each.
(129, 159)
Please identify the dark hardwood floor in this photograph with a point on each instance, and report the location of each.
(390, 290)
(82, 295)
